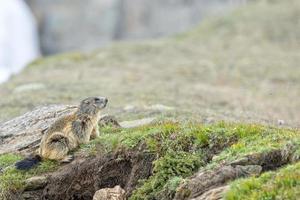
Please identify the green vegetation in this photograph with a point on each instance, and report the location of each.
(8, 159)
(13, 180)
(262, 140)
(167, 174)
(282, 184)
(240, 67)
(181, 148)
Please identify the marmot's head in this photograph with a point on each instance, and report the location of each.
(92, 105)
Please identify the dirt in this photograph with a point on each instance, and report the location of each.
(251, 165)
(86, 175)
(82, 178)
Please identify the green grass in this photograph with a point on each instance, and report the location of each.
(180, 150)
(13, 180)
(167, 174)
(265, 139)
(8, 159)
(282, 184)
(242, 67)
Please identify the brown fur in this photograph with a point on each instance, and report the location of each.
(68, 132)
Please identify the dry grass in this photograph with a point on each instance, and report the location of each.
(241, 67)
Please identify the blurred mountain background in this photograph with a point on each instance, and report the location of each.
(242, 66)
(69, 25)
(201, 64)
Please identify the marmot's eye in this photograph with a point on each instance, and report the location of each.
(97, 99)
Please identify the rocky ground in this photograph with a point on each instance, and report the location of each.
(242, 69)
(157, 160)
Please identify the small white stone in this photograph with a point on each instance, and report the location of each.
(129, 107)
(116, 193)
(137, 123)
(35, 182)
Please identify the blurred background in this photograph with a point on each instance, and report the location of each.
(68, 25)
(206, 60)
(49, 27)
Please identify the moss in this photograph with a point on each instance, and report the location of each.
(169, 189)
(180, 150)
(167, 174)
(265, 139)
(113, 138)
(8, 159)
(284, 184)
(12, 180)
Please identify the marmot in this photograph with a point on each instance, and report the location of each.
(68, 132)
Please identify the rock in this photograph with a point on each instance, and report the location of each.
(81, 179)
(108, 120)
(250, 165)
(116, 193)
(30, 195)
(137, 123)
(270, 160)
(206, 180)
(24, 132)
(36, 182)
(160, 107)
(129, 108)
(214, 194)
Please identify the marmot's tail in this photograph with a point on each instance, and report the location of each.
(28, 163)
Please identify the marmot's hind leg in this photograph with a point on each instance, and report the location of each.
(57, 147)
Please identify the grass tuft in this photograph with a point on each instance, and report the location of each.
(12, 180)
(284, 184)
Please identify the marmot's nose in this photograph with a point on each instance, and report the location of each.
(105, 100)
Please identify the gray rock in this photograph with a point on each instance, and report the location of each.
(206, 180)
(129, 108)
(24, 132)
(160, 107)
(137, 123)
(108, 120)
(213, 194)
(36, 182)
(250, 165)
(116, 193)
